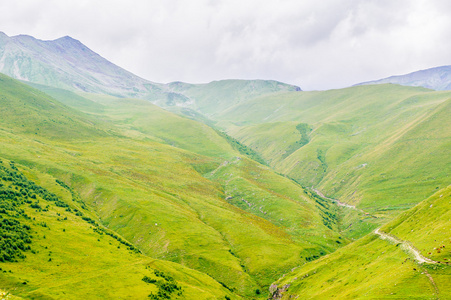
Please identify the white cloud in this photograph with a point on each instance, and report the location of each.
(314, 44)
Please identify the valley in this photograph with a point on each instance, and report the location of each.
(115, 187)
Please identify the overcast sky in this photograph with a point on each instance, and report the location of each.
(319, 44)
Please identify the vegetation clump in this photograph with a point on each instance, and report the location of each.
(304, 129)
(97, 228)
(101, 230)
(75, 196)
(166, 286)
(328, 212)
(15, 237)
(243, 149)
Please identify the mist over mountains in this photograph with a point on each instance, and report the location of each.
(113, 186)
(67, 63)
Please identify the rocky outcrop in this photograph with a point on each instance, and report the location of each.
(276, 293)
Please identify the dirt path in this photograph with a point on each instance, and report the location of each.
(224, 164)
(432, 281)
(339, 203)
(410, 249)
(407, 246)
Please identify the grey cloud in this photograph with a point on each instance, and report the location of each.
(314, 44)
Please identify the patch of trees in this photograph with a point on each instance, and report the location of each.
(75, 196)
(321, 155)
(166, 286)
(16, 190)
(243, 149)
(304, 129)
(15, 237)
(101, 230)
(328, 213)
(25, 188)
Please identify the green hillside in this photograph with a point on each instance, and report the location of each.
(383, 147)
(375, 268)
(31, 112)
(69, 98)
(244, 183)
(52, 247)
(162, 183)
(212, 98)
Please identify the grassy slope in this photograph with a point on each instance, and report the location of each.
(31, 112)
(427, 226)
(140, 119)
(375, 268)
(266, 237)
(69, 98)
(361, 136)
(69, 260)
(212, 98)
(155, 195)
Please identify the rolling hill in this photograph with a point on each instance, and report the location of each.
(172, 187)
(61, 252)
(222, 189)
(381, 147)
(379, 268)
(66, 63)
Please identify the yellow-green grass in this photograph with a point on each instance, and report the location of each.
(156, 195)
(171, 212)
(69, 98)
(384, 148)
(376, 268)
(212, 98)
(370, 268)
(70, 260)
(32, 112)
(427, 226)
(135, 116)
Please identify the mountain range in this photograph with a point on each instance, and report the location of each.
(68, 64)
(438, 78)
(115, 187)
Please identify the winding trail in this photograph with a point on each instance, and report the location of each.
(407, 246)
(338, 202)
(277, 293)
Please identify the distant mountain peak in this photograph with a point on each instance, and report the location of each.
(67, 63)
(437, 78)
(68, 39)
(23, 37)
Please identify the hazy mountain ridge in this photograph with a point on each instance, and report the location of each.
(209, 98)
(67, 63)
(438, 78)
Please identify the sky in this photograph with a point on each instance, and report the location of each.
(316, 45)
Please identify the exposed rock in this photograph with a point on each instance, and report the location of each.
(276, 292)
